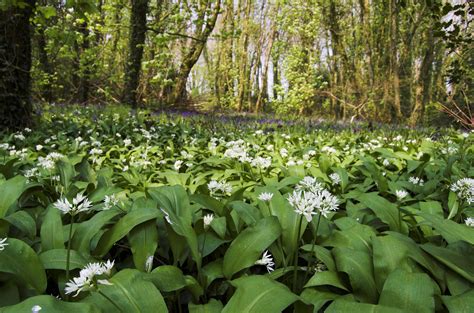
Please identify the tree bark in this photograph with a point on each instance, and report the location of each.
(135, 54)
(15, 64)
(192, 56)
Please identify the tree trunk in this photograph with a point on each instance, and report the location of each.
(46, 92)
(394, 69)
(135, 54)
(243, 57)
(15, 65)
(423, 88)
(263, 90)
(192, 56)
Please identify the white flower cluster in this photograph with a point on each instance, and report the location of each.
(219, 188)
(208, 218)
(49, 162)
(310, 198)
(469, 221)
(464, 188)
(416, 181)
(261, 162)
(267, 261)
(79, 204)
(336, 179)
(87, 277)
(401, 194)
(110, 202)
(265, 196)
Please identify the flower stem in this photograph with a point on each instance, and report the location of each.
(68, 255)
(313, 245)
(295, 258)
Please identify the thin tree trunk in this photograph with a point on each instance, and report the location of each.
(15, 65)
(46, 92)
(135, 54)
(268, 53)
(394, 68)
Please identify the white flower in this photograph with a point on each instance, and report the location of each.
(401, 194)
(149, 263)
(262, 162)
(177, 165)
(127, 142)
(87, 277)
(464, 188)
(221, 187)
(469, 221)
(35, 309)
(39, 147)
(310, 198)
(208, 220)
(79, 204)
(266, 260)
(3, 244)
(416, 180)
(110, 202)
(386, 162)
(167, 216)
(265, 196)
(336, 179)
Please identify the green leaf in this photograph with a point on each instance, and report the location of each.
(24, 222)
(460, 304)
(143, 240)
(85, 231)
(248, 213)
(130, 292)
(214, 306)
(383, 209)
(51, 232)
(451, 231)
(248, 246)
(256, 294)
(50, 304)
(411, 292)
(325, 278)
(175, 201)
(341, 306)
(56, 259)
(20, 260)
(10, 191)
(459, 261)
(167, 278)
(123, 227)
(358, 265)
(66, 173)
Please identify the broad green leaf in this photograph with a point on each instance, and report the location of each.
(51, 232)
(318, 298)
(123, 227)
(20, 260)
(214, 306)
(143, 240)
(85, 231)
(248, 213)
(352, 235)
(256, 294)
(9, 294)
(167, 278)
(218, 224)
(66, 173)
(385, 210)
(460, 304)
(50, 304)
(325, 278)
(10, 191)
(24, 222)
(57, 259)
(358, 265)
(459, 261)
(130, 292)
(174, 201)
(341, 306)
(451, 231)
(248, 246)
(411, 292)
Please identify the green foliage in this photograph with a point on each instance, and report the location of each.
(199, 214)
